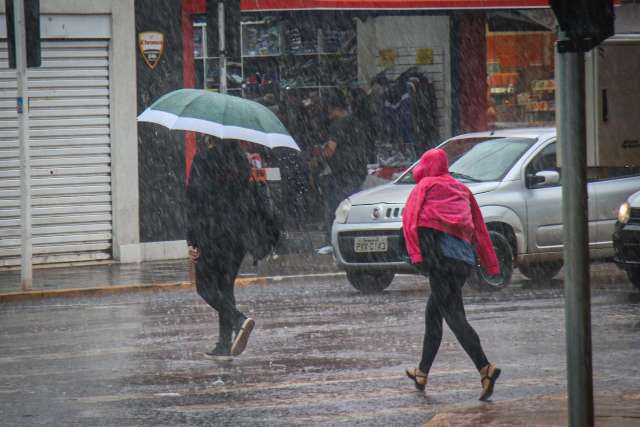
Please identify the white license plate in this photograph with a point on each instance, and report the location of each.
(370, 244)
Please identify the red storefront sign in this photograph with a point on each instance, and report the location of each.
(266, 5)
(269, 5)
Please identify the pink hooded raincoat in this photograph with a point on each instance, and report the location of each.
(443, 203)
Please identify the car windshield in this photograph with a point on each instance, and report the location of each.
(479, 159)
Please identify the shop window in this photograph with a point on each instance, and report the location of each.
(207, 68)
(520, 72)
(302, 56)
(199, 49)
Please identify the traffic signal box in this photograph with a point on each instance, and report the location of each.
(586, 22)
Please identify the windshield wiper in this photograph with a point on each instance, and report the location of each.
(459, 175)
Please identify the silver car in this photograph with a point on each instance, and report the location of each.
(515, 178)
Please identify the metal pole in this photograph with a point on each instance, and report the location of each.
(223, 55)
(205, 56)
(572, 136)
(26, 270)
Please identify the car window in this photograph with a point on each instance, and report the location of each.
(545, 160)
(615, 172)
(480, 159)
(490, 160)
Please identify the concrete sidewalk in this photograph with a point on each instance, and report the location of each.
(297, 257)
(619, 409)
(111, 277)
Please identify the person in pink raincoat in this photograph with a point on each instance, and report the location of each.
(443, 230)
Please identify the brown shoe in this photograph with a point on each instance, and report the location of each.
(419, 378)
(242, 337)
(489, 375)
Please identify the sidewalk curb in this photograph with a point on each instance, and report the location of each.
(241, 282)
(612, 409)
(110, 290)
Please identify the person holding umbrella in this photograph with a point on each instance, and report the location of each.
(442, 224)
(226, 215)
(219, 200)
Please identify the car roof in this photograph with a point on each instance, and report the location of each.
(538, 133)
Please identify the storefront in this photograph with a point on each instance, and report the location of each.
(302, 49)
(488, 64)
(292, 58)
(414, 71)
(467, 49)
(82, 131)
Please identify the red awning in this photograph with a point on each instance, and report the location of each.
(268, 5)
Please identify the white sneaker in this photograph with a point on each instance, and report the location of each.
(325, 250)
(242, 337)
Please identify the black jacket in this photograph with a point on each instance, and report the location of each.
(225, 209)
(219, 197)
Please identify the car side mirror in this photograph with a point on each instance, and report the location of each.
(543, 178)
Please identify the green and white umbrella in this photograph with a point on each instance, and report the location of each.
(223, 116)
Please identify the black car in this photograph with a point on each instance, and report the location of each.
(626, 238)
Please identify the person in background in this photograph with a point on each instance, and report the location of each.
(363, 110)
(442, 224)
(316, 130)
(219, 202)
(345, 153)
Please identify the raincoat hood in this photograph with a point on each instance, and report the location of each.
(441, 202)
(432, 163)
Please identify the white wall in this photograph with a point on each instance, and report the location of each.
(406, 34)
(124, 130)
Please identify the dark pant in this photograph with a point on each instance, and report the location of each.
(335, 191)
(216, 272)
(447, 277)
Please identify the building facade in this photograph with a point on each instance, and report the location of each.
(84, 159)
(107, 188)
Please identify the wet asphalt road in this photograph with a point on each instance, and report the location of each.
(321, 354)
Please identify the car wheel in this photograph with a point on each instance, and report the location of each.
(634, 276)
(480, 280)
(370, 282)
(541, 272)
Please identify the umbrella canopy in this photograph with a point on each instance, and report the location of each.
(223, 116)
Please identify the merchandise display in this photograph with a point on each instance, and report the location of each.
(260, 39)
(298, 62)
(520, 69)
(301, 55)
(541, 105)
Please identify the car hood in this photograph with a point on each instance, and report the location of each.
(398, 193)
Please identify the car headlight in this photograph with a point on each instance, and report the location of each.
(342, 213)
(624, 213)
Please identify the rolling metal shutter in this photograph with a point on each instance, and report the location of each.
(69, 125)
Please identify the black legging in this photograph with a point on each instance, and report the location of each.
(446, 278)
(216, 272)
